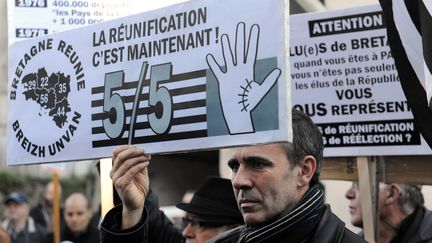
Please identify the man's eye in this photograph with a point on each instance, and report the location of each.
(234, 165)
(257, 165)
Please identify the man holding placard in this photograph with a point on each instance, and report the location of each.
(275, 187)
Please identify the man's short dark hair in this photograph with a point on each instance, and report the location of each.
(307, 140)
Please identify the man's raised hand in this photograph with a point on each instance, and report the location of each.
(130, 177)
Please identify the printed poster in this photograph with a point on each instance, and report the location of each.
(32, 18)
(191, 76)
(343, 76)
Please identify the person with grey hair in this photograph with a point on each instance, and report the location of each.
(277, 191)
(275, 186)
(402, 215)
(19, 225)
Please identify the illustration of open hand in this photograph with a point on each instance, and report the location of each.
(238, 89)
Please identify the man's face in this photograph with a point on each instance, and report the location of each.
(355, 209)
(16, 211)
(77, 216)
(265, 185)
(196, 233)
(384, 207)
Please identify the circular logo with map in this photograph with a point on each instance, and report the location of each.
(50, 92)
(44, 85)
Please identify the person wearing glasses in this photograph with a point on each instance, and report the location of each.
(211, 211)
(402, 215)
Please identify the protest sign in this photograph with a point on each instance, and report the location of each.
(32, 18)
(198, 75)
(410, 45)
(343, 76)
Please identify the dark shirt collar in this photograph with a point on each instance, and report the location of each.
(409, 226)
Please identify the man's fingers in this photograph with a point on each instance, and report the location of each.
(122, 181)
(252, 48)
(128, 164)
(120, 149)
(123, 153)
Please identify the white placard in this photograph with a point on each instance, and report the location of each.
(344, 77)
(153, 79)
(32, 18)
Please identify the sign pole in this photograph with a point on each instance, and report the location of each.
(368, 196)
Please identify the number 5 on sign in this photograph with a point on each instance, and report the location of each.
(161, 124)
(113, 127)
(160, 102)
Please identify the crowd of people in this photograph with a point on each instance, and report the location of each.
(26, 224)
(274, 195)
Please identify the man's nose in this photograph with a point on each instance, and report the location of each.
(188, 231)
(350, 194)
(73, 217)
(242, 179)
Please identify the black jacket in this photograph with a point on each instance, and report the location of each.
(40, 214)
(154, 226)
(416, 228)
(91, 235)
(330, 229)
(424, 232)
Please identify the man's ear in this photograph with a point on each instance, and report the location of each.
(393, 193)
(308, 167)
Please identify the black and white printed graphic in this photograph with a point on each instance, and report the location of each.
(50, 92)
(345, 78)
(153, 80)
(409, 27)
(46, 92)
(183, 97)
(33, 18)
(239, 91)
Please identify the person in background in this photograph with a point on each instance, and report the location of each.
(20, 227)
(211, 210)
(4, 237)
(402, 215)
(354, 207)
(43, 212)
(77, 215)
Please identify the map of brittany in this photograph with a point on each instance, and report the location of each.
(50, 92)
